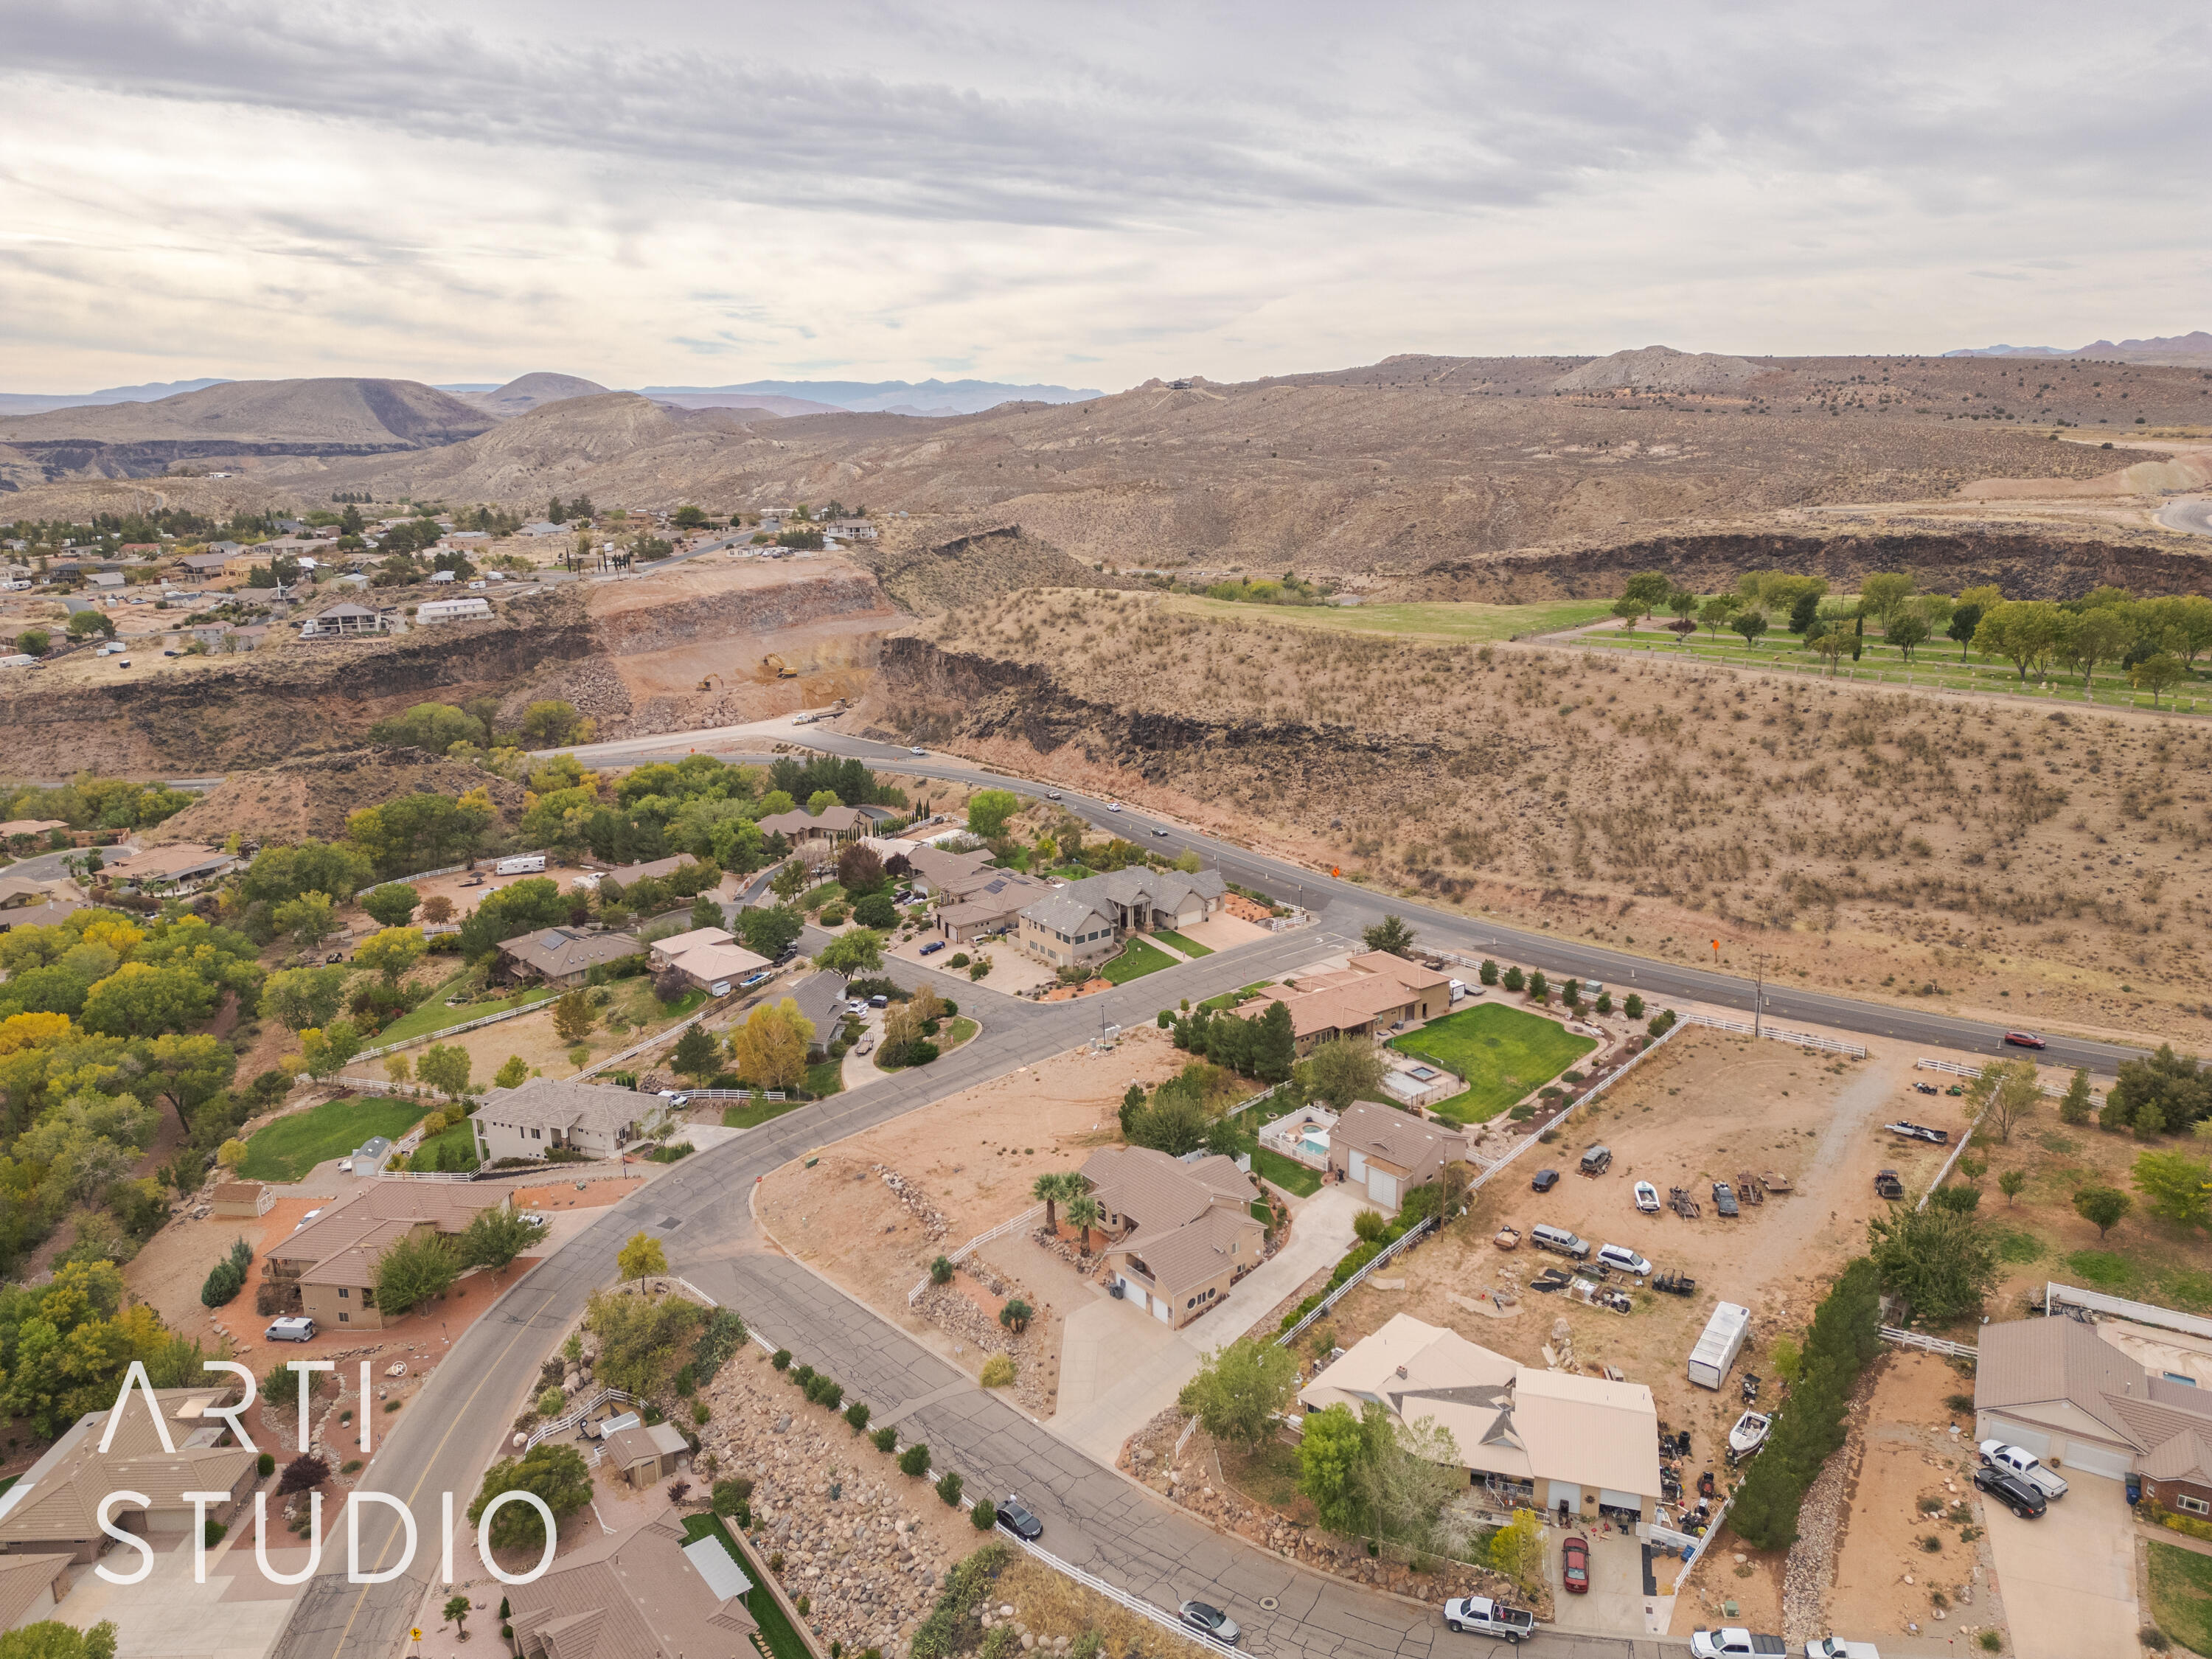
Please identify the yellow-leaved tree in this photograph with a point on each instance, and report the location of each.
(769, 1049)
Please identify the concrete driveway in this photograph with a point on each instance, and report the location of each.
(1616, 1604)
(1119, 1367)
(2066, 1581)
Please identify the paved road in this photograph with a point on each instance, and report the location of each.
(1349, 907)
(2192, 514)
(701, 1210)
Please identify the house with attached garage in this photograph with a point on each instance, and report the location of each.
(554, 1113)
(563, 955)
(709, 958)
(641, 1595)
(1583, 1448)
(1373, 994)
(1087, 921)
(1386, 1154)
(2076, 1398)
(326, 1268)
(1181, 1232)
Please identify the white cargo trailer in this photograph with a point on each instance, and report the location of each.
(1722, 1340)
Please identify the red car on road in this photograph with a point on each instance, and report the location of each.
(2024, 1040)
(1574, 1565)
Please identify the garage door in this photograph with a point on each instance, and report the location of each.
(2092, 1459)
(1620, 1500)
(1382, 1189)
(1569, 1492)
(1359, 1167)
(1991, 1427)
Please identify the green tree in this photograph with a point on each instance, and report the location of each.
(2012, 1183)
(1343, 1069)
(445, 1067)
(390, 953)
(706, 911)
(1715, 613)
(1906, 630)
(572, 1016)
(87, 622)
(309, 918)
(1516, 1549)
(1240, 1389)
(2024, 632)
(1391, 934)
(1938, 1260)
(457, 1608)
(139, 999)
(553, 1471)
(495, 1236)
(2173, 1185)
(512, 1075)
(1083, 1212)
(1966, 621)
(49, 1638)
(549, 724)
(278, 874)
(2102, 1207)
(1749, 623)
(1881, 593)
(515, 909)
(1331, 1452)
(34, 641)
(858, 951)
(1274, 1046)
(414, 1269)
(300, 997)
(768, 930)
(1050, 1188)
(1649, 589)
(2103, 635)
(696, 1054)
(392, 904)
(2075, 1107)
(641, 1258)
(2005, 1094)
(1628, 610)
(988, 810)
(187, 1070)
(2158, 675)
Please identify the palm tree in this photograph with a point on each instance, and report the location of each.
(1050, 1188)
(1083, 1212)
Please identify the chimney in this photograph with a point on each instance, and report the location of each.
(1401, 1373)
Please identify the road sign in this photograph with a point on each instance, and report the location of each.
(415, 1635)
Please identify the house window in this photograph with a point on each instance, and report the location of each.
(538, 1135)
(2194, 1505)
(344, 1318)
(343, 1293)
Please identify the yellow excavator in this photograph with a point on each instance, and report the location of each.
(773, 667)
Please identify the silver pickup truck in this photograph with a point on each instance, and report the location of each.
(1478, 1615)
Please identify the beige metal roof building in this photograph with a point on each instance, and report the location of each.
(1545, 1438)
(643, 1596)
(2060, 1390)
(1386, 1152)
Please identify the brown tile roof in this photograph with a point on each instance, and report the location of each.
(558, 951)
(57, 1501)
(238, 1192)
(1156, 1192)
(829, 821)
(2185, 1457)
(355, 1264)
(1399, 1137)
(653, 868)
(166, 863)
(447, 1207)
(40, 915)
(639, 1599)
(25, 1578)
(1188, 1256)
(2039, 1367)
(547, 1102)
(944, 870)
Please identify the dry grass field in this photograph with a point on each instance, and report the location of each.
(2038, 866)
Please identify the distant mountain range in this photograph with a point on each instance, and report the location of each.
(38, 403)
(931, 397)
(2187, 350)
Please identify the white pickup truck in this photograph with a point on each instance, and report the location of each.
(1478, 1615)
(1998, 1455)
(1834, 1647)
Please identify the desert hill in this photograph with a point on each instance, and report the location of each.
(312, 795)
(1387, 469)
(235, 418)
(527, 391)
(1660, 368)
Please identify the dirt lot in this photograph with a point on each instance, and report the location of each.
(1885, 1576)
(968, 1163)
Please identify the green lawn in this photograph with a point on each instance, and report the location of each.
(1189, 947)
(1137, 959)
(456, 1149)
(2181, 1595)
(291, 1147)
(1287, 1173)
(1502, 1053)
(1073, 873)
(783, 1641)
(826, 1078)
(2143, 1269)
(755, 1112)
(1444, 620)
(956, 1033)
(434, 1016)
(1235, 998)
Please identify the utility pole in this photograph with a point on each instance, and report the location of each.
(1758, 999)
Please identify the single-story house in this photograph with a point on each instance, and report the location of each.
(106, 579)
(563, 955)
(474, 608)
(643, 1596)
(1088, 919)
(53, 1509)
(548, 1113)
(1375, 993)
(710, 957)
(180, 868)
(347, 620)
(541, 527)
(241, 1200)
(14, 827)
(326, 1269)
(641, 1455)
(832, 824)
(937, 871)
(651, 870)
(1181, 1232)
(1386, 1152)
(1580, 1447)
(2060, 1390)
(210, 563)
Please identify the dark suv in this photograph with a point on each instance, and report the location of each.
(2024, 1500)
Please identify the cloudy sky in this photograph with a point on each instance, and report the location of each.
(665, 193)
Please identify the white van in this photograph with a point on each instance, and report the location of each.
(298, 1328)
(528, 865)
(1622, 1260)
